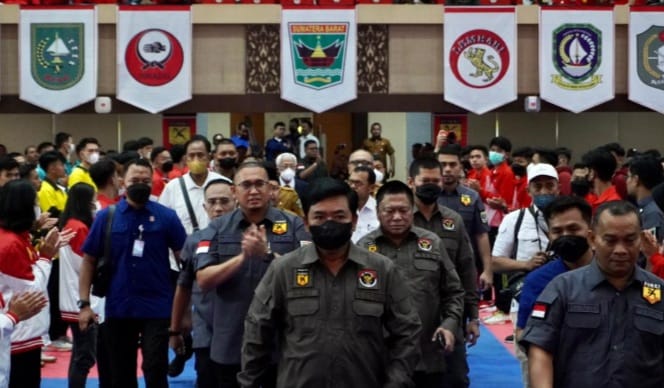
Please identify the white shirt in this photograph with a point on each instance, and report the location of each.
(172, 197)
(6, 327)
(367, 220)
(533, 237)
(304, 139)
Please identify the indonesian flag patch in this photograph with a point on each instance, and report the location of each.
(203, 247)
(539, 310)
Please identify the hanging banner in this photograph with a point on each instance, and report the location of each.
(154, 56)
(57, 56)
(318, 57)
(646, 57)
(480, 62)
(576, 56)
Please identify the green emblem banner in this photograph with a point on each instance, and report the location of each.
(57, 52)
(318, 53)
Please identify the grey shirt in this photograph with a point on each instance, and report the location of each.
(285, 232)
(434, 286)
(652, 217)
(355, 329)
(600, 336)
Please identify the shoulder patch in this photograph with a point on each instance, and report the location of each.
(483, 217)
(203, 247)
(539, 310)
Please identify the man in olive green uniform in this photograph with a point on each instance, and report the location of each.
(342, 316)
(430, 276)
(380, 148)
(425, 179)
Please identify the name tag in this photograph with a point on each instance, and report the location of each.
(137, 249)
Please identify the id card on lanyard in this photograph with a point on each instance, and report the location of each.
(139, 244)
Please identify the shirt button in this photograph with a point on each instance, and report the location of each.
(615, 347)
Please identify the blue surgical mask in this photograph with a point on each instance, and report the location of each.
(543, 200)
(496, 157)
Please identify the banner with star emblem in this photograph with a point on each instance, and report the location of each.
(154, 56)
(57, 56)
(646, 57)
(318, 57)
(576, 56)
(480, 57)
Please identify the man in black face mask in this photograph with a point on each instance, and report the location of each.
(425, 179)
(569, 220)
(140, 294)
(343, 315)
(430, 275)
(225, 158)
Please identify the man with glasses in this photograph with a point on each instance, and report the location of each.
(360, 158)
(232, 256)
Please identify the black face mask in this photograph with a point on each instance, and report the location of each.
(569, 247)
(428, 193)
(167, 166)
(139, 193)
(331, 234)
(518, 170)
(580, 187)
(227, 162)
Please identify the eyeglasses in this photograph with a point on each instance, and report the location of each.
(248, 185)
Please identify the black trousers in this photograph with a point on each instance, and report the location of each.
(25, 370)
(227, 376)
(90, 347)
(205, 375)
(123, 336)
(428, 380)
(456, 375)
(57, 327)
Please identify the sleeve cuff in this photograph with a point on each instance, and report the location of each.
(12, 317)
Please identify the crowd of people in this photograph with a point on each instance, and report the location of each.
(274, 270)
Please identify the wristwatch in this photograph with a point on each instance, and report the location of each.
(83, 303)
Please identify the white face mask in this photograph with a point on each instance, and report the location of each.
(288, 174)
(37, 212)
(379, 176)
(72, 148)
(147, 155)
(93, 158)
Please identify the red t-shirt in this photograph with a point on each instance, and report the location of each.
(608, 195)
(105, 202)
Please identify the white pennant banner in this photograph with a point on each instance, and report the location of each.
(318, 57)
(58, 56)
(577, 57)
(646, 57)
(154, 56)
(480, 62)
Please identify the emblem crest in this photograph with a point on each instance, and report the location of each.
(280, 227)
(302, 277)
(448, 224)
(154, 57)
(650, 56)
(479, 58)
(318, 52)
(57, 54)
(424, 244)
(466, 200)
(368, 278)
(652, 292)
(577, 54)
(371, 247)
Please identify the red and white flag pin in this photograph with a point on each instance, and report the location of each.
(539, 310)
(203, 247)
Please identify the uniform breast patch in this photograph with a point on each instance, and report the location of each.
(448, 224)
(424, 244)
(652, 292)
(466, 200)
(367, 278)
(302, 277)
(280, 227)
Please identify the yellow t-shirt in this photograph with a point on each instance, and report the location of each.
(51, 195)
(80, 174)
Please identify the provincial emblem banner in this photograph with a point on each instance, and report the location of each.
(318, 57)
(576, 56)
(57, 56)
(646, 57)
(154, 56)
(480, 62)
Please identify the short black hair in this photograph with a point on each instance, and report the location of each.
(130, 145)
(566, 152)
(137, 162)
(602, 162)
(326, 187)
(615, 148)
(523, 152)
(25, 152)
(547, 155)
(102, 171)
(616, 208)
(423, 163)
(17, 201)
(224, 141)
(653, 152)
(25, 169)
(501, 142)
(156, 151)
(564, 203)
(43, 145)
(177, 152)
(394, 187)
(200, 138)
(279, 124)
(144, 142)
(308, 122)
(450, 149)
(306, 143)
(648, 169)
(85, 141)
(61, 138)
(126, 156)
(8, 163)
(478, 147)
(50, 157)
(371, 175)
